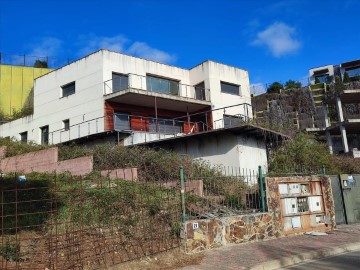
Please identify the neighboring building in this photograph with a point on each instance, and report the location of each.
(341, 107)
(16, 84)
(112, 96)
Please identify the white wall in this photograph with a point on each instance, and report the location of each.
(226, 149)
(86, 106)
(311, 72)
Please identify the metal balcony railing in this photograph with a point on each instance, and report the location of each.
(162, 86)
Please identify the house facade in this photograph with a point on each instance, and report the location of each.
(113, 95)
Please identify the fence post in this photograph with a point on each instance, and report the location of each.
(323, 169)
(182, 183)
(262, 193)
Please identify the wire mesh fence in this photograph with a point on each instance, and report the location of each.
(230, 191)
(65, 222)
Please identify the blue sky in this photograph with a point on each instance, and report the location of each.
(273, 40)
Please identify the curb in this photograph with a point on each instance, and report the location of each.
(295, 259)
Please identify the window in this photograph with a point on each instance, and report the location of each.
(322, 78)
(161, 85)
(68, 89)
(119, 82)
(44, 134)
(66, 124)
(230, 88)
(200, 91)
(353, 72)
(24, 137)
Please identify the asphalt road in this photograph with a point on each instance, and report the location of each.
(348, 261)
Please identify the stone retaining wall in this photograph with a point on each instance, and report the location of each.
(212, 233)
(77, 166)
(126, 173)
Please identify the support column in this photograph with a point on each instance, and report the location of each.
(344, 138)
(326, 116)
(329, 142)
(341, 123)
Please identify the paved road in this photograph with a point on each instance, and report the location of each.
(348, 261)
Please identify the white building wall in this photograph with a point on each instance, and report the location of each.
(85, 108)
(226, 149)
(311, 72)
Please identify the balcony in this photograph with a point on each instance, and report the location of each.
(153, 84)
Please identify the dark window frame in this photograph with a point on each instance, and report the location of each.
(65, 89)
(66, 124)
(174, 84)
(121, 75)
(44, 140)
(222, 83)
(22, 134)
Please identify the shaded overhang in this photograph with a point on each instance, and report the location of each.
(352, 126)
(146, 98)
(350, 64)
(347, 97)
(247, 129)
(321, 71)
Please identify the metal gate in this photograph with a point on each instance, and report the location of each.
(340, 215)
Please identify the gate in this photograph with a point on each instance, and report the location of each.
(346, 190)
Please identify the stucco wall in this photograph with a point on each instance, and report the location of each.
(226, 149)
(16, 83)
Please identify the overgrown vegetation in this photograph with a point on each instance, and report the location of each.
(304, 154)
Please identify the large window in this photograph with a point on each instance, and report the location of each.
(24, 137)
(44, 134)
(161, 85)
(119, 82)
(322, 78)
(353, 72)
(68, 89)
(230, 88)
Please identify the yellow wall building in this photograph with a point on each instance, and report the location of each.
(16, 83)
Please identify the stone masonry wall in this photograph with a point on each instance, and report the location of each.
(77, 166)
(44, 161)
(39, 161)
(218, 232)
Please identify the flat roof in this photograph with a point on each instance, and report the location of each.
(246, 129)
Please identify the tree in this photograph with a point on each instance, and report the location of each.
(275, 87)
(291, 84)
(346, 78)
(40, 64)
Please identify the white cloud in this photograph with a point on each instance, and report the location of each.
(142, 49)
(47, 46)
(279, 38)
(91, 43)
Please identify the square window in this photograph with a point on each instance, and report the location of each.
(68, 89)
(24, 137)
(66, 124)
(230, 88)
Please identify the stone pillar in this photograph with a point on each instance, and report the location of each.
(344, 138)
(329, 141)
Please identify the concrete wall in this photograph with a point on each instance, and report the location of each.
(45, 161)
(125, 173)
(85, 108)
(16, 83)
(225, 149)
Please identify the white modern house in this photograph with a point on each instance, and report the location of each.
(113, 97)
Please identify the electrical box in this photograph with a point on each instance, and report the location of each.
(305, 189)
(296, 222)
(302, 204)
(315, 203)
(294, 188)
(283, 189)
(290, 206)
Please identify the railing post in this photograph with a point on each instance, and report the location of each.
(261, 187)
(182, 192)
(323, 169)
